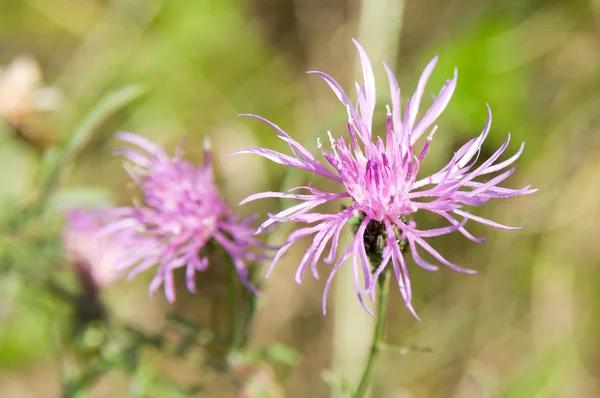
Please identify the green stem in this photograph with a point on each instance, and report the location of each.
(250, 309)
(231, 302)
(365, 380)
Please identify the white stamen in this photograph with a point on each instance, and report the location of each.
(350, 120)
(330, 137)
(389, 113)
(332, 141)
(319, 145)
(433, 130)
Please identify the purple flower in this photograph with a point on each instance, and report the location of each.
(381, 180)
(181, 213)
(93, 258)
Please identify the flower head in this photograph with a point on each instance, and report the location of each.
(181, 212)
(93, 258)
(381, 177)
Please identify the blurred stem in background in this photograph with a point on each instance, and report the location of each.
(380, 26)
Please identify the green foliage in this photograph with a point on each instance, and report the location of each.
(282, 354)
(27, 327)
(80, 197)
(489, 71)
(83, 133)
(21, 160)
(540, 375)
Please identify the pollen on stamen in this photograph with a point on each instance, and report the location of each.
(350, 119)
(433, 130)
(332, 141)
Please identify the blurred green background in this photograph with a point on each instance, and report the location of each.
(526, 326)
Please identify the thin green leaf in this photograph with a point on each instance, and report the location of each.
(88, 197)
(282, 354)
(105, 108)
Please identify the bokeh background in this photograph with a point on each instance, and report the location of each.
(526, 326)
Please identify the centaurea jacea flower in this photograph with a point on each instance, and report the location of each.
(381, 179)
(93, 258)
(180, 213)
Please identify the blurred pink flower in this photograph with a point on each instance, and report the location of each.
(381, 179)
(92, 255)
(180, 214)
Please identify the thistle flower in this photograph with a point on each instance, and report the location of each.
(381, 179)
(92, 257)
(181, 212)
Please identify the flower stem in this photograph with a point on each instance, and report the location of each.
(249, 299)
(365, 380)
(231, 302)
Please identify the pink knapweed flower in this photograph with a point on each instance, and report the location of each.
(380, 177)
(181, 212)
(92, 257)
